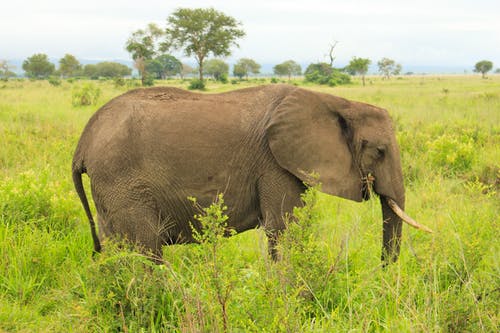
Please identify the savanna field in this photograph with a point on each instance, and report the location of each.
(330, 278)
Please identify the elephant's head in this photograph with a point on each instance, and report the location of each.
(350, 145)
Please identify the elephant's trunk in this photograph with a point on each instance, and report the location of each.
(392, 227)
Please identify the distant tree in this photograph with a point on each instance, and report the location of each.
(69, 66)
(388, 67)
(6, 69)
(359, 66)
(200, 32)
(323, 73)
(287, 68)
(497, 71)
(142, 45)
(106, 69)
(217, 68)
(186, 69)
(38, 66)
(164, 66)
(245, 66)
(330, 52)
(483, 67)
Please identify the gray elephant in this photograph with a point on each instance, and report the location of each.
(148, 150)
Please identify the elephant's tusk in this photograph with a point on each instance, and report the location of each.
(399, 212)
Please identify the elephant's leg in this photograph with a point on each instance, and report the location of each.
(136, 222)
(279, 191)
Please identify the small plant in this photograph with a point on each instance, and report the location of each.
(87, 94)
(452, 154)
(274, 80)
(119, 82)
(54, 81)
(196, 84)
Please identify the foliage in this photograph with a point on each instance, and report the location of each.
(6, 69)
(244, 66)
(142, 45)
(483, 67)
(87, 94)
(164, 66)
(196, 84)
(358, 66)
(287, 68)
(201, 32)
(452, 154)
(69, 66)
(106, 69)
(55, 81)
(388, 67)
(322, 73)
(217, 68)
(38, 66)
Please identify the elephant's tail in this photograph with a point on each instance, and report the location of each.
(77, 180)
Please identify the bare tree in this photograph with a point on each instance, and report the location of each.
(330, 52)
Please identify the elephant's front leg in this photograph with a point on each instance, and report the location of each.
(279, 191)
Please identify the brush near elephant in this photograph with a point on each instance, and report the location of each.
(148, 150)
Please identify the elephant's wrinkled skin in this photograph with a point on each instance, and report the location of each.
(149, 149)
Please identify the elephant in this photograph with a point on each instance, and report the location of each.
(149, 149)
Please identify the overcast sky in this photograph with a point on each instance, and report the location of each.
(423, 32)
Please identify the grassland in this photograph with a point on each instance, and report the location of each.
(330, 278)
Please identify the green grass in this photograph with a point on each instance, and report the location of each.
(329, 280)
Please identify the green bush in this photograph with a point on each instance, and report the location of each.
(87, 94)
(274, 80)
(196, 84)
(54, 81)
(119, 82)
(452, 154)
(323, 73)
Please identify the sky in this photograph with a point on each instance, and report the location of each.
(417, 33)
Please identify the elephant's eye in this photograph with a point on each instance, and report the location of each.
(381, 151)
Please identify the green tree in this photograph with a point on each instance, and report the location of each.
(186, 69)
(388, 67)
(200, 32)
(483, 67)
(69, 66)
(164, 66)
(323, 73)
(38, 66)
(359, 66)
(142, 45)
(106, 69)
(217, 68)
(287, 68)
(6, 69)
(245, 66)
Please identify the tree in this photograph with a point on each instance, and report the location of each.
(38, 66)
(6, 69)
(186, 69)
(388, 67)
(217, 68)
(142, 45)
(288, 68)
(200, 32)
(330, 52)
(69, 66)
(106, 69)
(359, 66)
(483, 67)
(323, 73)
(164, 66)
(245, 66)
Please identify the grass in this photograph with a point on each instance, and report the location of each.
(329, 280)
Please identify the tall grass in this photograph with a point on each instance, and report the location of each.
(329, 279)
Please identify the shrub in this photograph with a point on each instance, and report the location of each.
(323, 73)
(196, 84)
(119, 82)
(274, 80)
(54, 81)
(452, 154)
(88, 94)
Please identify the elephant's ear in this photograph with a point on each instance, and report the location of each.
(307, 136)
